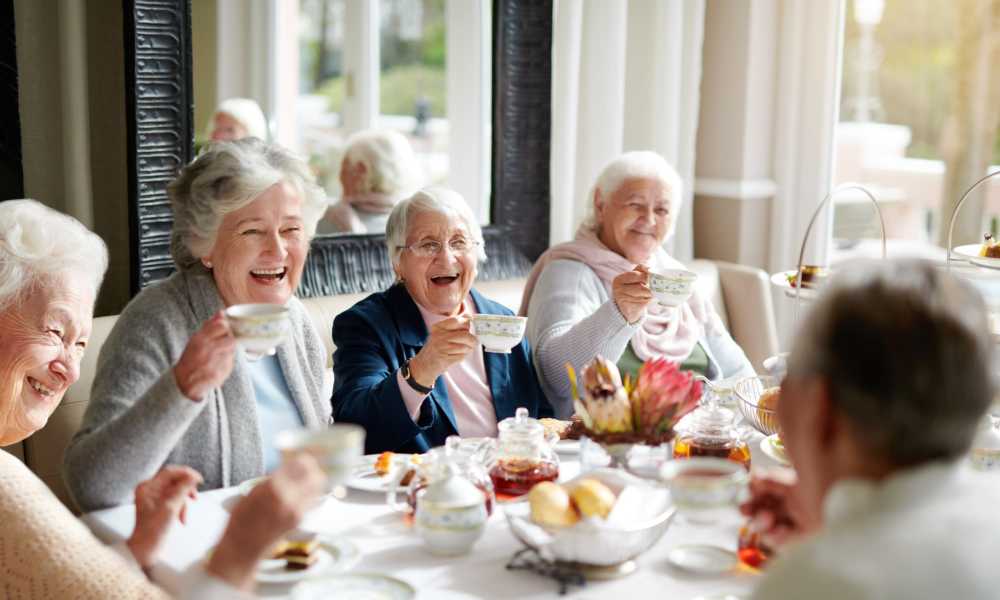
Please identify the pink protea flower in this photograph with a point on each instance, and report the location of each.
(662, 395)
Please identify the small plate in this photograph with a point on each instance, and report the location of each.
(365, 479)
(355, 585)
(334, 555)
(568, 446)
(970, 252)
(780, 280)
(703, 559)
(776, 453)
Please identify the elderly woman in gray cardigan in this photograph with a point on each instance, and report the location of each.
(591, 296)
(172, 385)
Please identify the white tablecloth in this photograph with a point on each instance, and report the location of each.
(389, 546)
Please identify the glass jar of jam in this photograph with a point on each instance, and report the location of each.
(523, 456)
(711, 431)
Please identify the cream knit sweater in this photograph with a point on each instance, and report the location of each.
(46, 552)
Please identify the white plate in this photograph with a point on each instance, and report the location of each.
(780, 280)
(970, 252)
(364, 477)
(568, 446)
(334, 555)
(703, 559)
(768, 447)
(351, 587)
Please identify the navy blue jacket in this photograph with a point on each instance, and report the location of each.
(376, 336)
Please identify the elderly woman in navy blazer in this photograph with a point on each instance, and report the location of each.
(407, 366)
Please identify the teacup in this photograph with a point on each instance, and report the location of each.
(337, 448)
(701, 486)
(259, 328)
(672, 287)
(498, 333)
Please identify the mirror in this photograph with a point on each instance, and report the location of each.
(382, 97)
(514, 113)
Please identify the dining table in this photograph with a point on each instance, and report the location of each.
(385, 543)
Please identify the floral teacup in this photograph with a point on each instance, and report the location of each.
(672, 287)
(498, 333)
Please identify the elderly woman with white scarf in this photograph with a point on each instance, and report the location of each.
(591, 296)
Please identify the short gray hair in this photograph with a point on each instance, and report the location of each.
(639, 164)
(247, 112)
(391, 167)
(906, 353)
(432, 199)
(224, 178)
(38, 244)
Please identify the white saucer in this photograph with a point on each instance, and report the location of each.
(970, 252)
(334, 555)
(780, 280)
(768, 447)
(353, 586)
(703, 559)
(568, 446)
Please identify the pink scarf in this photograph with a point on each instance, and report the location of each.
(667, 332)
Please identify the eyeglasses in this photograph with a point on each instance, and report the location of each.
(430, 248)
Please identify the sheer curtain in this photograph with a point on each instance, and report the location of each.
(625, 76)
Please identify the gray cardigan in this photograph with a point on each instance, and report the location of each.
(572, 318)
(138, 420)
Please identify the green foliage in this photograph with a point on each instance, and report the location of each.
(399, 89)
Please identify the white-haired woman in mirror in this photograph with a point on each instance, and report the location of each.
(51, 267)
(890, 374)
(591, 296)
(378, 170)
(237, 118)
(171, 384)
(407, 367)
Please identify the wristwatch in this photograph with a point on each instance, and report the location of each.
(408, 376)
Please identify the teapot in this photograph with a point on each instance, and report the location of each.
(711, 430)
(464, 457)
(522, 455)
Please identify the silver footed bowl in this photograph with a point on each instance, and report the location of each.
(591, 542)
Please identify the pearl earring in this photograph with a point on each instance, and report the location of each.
(207, 263)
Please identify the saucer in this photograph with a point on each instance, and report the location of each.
(355, 585)
(334, 555)
(769, 447)
(702, 559)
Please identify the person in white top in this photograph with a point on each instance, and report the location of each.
(888, 378)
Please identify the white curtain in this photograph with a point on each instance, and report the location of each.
(625, 76)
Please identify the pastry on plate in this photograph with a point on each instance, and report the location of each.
(813, 276)
(990, 247)
(299, 555)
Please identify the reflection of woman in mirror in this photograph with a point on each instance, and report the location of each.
(237, 118)
(378, 170)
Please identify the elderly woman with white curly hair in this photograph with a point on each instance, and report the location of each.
(407, 367)
(378, 170)
(591, 296)
(171, 383)
(51, 267)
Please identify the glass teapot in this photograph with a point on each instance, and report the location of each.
(711, 430)
(464, 457)
(521, 456)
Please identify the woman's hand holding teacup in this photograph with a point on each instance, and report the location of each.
(631, 293)
(158, 502)
(207, 360)
(449, 342)
(268, 512)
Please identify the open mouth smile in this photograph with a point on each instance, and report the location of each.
(269, 276)
(444, 280)
(40, 388)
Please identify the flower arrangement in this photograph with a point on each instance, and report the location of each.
(644, 411)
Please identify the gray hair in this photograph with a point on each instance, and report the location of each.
(38, 244)
(639, 164)
(224, 178)
(247, 112)
(432, 199)
(391, 167)
(905, 351)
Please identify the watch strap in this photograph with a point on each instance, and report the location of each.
(413, 383)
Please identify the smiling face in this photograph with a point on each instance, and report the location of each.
(260, 249)
(226, 128)
(44, 339)
(438, 283)
(635, 219)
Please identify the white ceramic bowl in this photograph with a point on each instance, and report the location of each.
(498, 333)
(259, 328)
(672, 287)
(591, 542)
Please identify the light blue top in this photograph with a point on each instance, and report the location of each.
(275, 409)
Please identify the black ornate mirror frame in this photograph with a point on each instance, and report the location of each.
(160, 137)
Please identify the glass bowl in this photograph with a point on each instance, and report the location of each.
(749, 391)
(592, 542)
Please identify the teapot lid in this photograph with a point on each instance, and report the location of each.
(711, 419)
(451, 490)
(521, 425)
